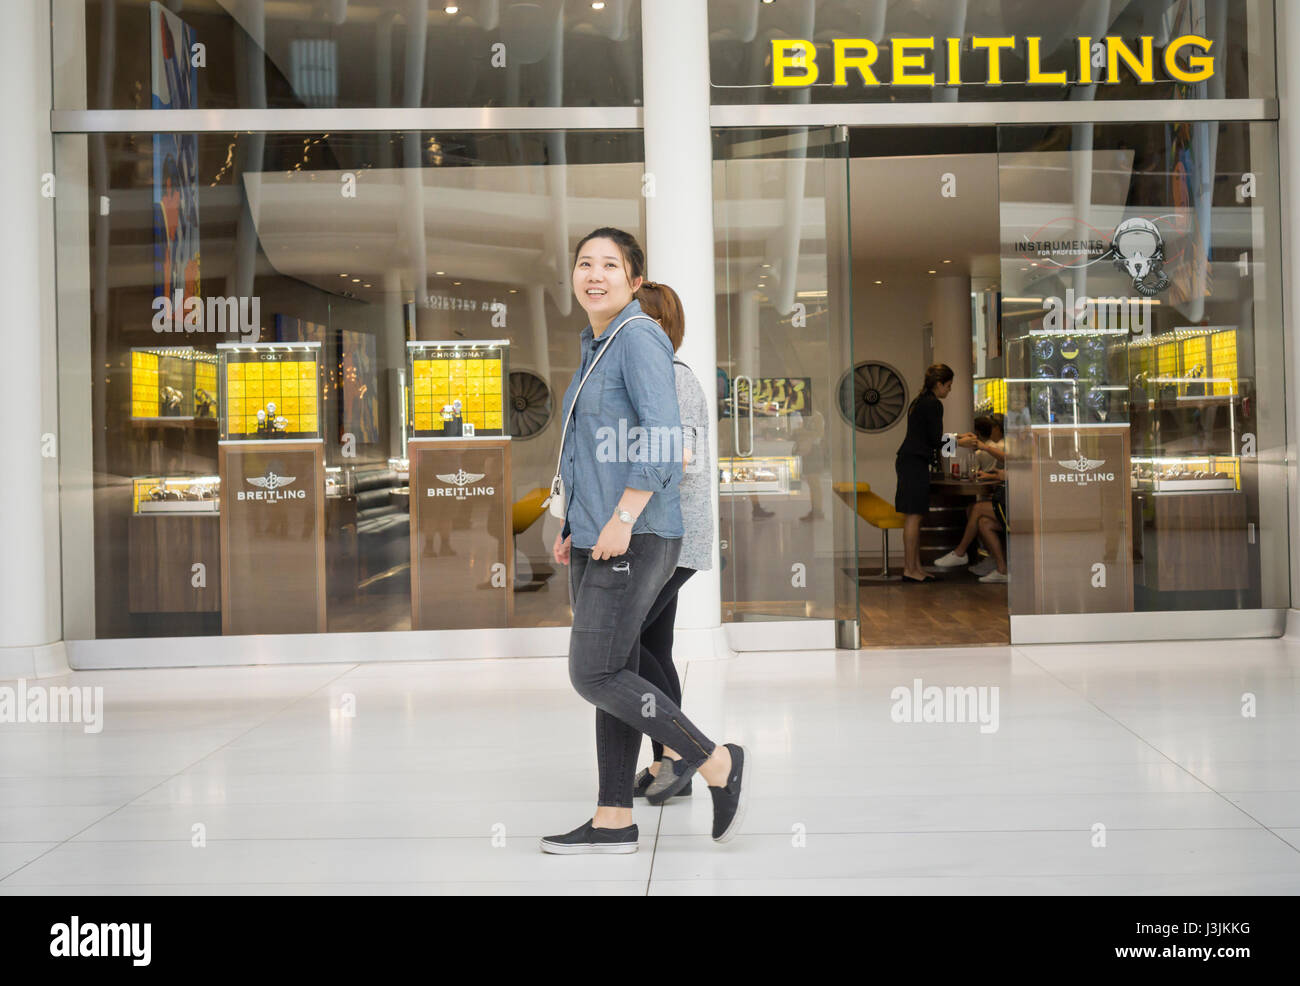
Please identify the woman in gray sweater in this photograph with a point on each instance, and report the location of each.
(661, 303)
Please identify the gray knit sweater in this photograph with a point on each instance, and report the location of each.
(697, 511)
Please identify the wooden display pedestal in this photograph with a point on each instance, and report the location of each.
(462, 541)
(272, 537)
(1082, 536)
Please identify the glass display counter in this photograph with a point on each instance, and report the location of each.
(778, 474)
(175, 494)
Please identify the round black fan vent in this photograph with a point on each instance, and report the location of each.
(872, 396)
(529, 404)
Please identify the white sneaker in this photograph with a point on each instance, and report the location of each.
(983, 566)
(951, 560)
(995, 576)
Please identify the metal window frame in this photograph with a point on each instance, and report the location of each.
(632, 117)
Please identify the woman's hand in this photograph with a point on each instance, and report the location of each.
(560, 550)
(613, 540)
(969, 440)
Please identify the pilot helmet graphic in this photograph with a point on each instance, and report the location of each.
(1138, 250)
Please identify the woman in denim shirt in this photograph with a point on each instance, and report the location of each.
(621, 463)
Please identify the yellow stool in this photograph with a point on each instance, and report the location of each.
(527, 510)
(876, 512)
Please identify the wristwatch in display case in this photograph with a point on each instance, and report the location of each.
(175, 494)
(173, 383)
(1187, 474)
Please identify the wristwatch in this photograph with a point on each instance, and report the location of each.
(626, 517)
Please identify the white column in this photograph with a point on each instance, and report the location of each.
(679, 220)
(1288, 91)
(30, 603)
(950, 311)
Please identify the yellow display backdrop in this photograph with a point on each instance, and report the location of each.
(280, 380)
(1223, 362)
(457, 384)
(178, 382)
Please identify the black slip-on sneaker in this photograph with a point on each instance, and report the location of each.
(643, 781)
(674, 777)
(729, 802)
(588, 839)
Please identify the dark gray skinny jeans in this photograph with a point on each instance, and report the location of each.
(610, 601)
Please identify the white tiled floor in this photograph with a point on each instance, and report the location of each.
(406, 797)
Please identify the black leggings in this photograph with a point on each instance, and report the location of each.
(656, 645)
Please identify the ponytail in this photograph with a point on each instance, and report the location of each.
(935, 374)
(661, 303)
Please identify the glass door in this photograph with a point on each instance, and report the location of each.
(785, 342)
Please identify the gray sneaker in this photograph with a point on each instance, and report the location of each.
(984, 566)
(668, 784)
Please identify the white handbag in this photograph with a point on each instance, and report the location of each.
(557, 502)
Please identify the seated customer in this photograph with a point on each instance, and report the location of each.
(988, 440)
(987, 517)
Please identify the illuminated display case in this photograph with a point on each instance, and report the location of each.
(1067, 377)
(270, 391)
(990, 395)
(175, 494)
(1187, 473)
(1186, 407)
(759, 474)
(457, 389)
(176, 383)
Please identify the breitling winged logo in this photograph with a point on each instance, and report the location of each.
(1081, 463)
(460, 477)
(270, 481)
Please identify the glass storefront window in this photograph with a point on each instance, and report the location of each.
(223, 54)
(785, 452)
(243, 403)
(988, 50)
(1142, 322)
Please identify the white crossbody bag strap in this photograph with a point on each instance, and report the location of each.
(557, 497)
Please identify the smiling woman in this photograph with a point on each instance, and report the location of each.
(621, 539)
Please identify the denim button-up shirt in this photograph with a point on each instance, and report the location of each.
(625, 432)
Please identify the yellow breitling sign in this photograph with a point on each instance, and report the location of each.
(912, 61)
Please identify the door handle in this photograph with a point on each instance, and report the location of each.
(735, 414)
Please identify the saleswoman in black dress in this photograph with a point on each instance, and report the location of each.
(924, 436)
